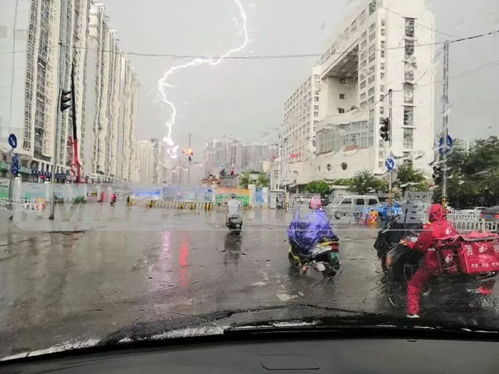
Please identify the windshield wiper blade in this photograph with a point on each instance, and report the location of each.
(216, 322)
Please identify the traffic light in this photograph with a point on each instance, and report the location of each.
(384, 130)
(66, 97)
(437, 174)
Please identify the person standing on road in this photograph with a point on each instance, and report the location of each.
(438, 227)
(234, 207)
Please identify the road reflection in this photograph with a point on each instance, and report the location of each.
(232, 248)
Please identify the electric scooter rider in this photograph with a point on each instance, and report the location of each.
(438, 227)
(305, 234)
(234, 208)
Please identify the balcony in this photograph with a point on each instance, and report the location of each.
(344, 65)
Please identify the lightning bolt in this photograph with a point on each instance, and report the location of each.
(164, 85)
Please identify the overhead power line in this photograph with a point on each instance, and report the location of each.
(264, 57)
(421, 24)
(474, 36)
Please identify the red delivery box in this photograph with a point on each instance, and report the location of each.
(479, 253)
(448, 249)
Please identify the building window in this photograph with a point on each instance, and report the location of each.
(408, 116)
(363, 44)
(362, 96)
(409, 74)
(316, 107)
(381, 110)
(372, 7)
(382, 88)
(383, 32)
(408, 93)
(342, 96)
(370, 79)
(362, 84)
(316, 114)
(409, 27)
(316, 98)
(371, 58)
(409, 48)
(364, 35)
(382, 54)
(372, 36)
(341, 110)
(383, 44)
(408, 138)
(382, 66)
(343, 80)
(382, 75)
(372, 27)
(370, 92)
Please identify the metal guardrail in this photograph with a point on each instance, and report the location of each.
(476, 225)
(27, 204)
(171, 204)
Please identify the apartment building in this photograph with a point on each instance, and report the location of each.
(151, 162)
(42, 43)
(384, 45)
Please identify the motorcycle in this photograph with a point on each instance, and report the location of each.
(470, 294)
(324, 257)
(234, 223)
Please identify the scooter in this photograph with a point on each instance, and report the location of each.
(234, 223)
(324, 257)
(469, 295)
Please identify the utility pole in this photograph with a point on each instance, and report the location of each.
(60, 79)
(445, 122)
(390, 134)
(190, 160)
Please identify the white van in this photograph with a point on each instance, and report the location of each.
(351, 204)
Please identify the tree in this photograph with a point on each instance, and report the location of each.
(473, 175)
(258, 179)
(407, 174)
(365, 181)
(342, 182)
(245, 180)
(321, 187)
(263, 181)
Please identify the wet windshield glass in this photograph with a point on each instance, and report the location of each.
(167, 161)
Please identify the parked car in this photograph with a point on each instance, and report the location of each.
(490, 214)
(351, 205)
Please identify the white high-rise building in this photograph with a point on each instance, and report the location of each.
(332, 121)
(29, 33)
(109, 147)
(151, 162)
(41, 43)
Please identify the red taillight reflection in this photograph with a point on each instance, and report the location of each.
(486, 287)
(497, 216)
(484, 290)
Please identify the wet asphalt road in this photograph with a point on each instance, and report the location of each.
(139, 264)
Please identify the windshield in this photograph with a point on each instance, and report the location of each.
(159, 160)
